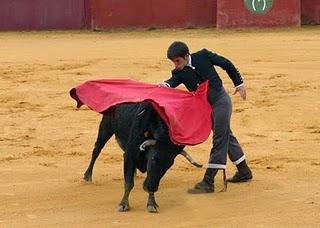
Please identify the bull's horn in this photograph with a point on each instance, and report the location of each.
(145, 144)
(190, 159)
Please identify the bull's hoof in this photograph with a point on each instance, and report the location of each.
(123, 207)
(153, 208)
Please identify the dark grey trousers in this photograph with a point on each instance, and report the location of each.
(224, 142)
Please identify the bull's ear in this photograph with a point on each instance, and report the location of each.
(145, 144)
(190, 159)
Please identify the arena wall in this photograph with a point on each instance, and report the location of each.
(258, 13)
(152, 13)
(310, 11)
(42, 14)
(87, 14)
(107, 14)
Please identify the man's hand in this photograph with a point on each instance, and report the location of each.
(164, 84)
(242, 91)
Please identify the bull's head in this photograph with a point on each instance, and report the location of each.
(160, 157)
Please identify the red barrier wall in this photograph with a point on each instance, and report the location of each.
(87, 14)
(104, 14)
(310, 11)
(42, 14)
(235, 14)
(152, 13)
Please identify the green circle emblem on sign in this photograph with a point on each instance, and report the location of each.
(258, 6)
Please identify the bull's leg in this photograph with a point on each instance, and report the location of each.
(130, 155)
(124, 204)
(104, 134)
(129, 172)
(152, 205)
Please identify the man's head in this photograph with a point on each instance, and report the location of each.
(178, 53)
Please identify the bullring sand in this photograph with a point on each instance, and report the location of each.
(45, 143)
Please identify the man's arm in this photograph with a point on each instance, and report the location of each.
(172, 82)
(232, 71)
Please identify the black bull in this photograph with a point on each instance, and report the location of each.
(144, 138)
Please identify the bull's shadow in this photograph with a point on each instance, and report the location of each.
(144, 138)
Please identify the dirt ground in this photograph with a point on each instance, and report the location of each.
(45, 143)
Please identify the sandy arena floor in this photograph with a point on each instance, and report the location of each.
(45, 143)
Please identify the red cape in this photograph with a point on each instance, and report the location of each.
(187, 114)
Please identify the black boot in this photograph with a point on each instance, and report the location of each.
(206, 185)
(243, 174)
